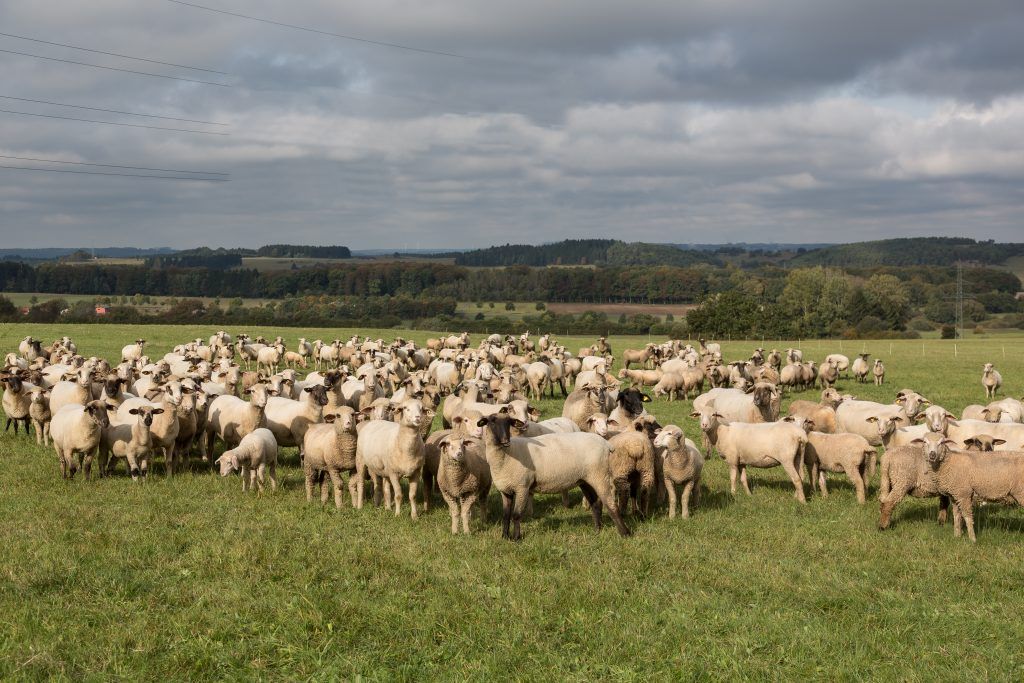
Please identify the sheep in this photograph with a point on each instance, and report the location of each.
(331, 448)
(760, 404)
(774, 360)
(631, 463)
(766, 444)
(966, 477)
(639, 356)
(289, 419)
(878, 371)
(860, 367)
(231, 418)
(538, 376)
(905, 471)
(391, 451)
(269, 358)
(991, 380)
(464, 478)
(710, 349)
(133, 352)
(822, 414)
(39, 413)
(72, 391)
(131, 440)
(670, 384)
(1013, 410)
(847, 453)
(552, 463)
(256, 457)
(191, 414)
(681, 466)
(16, 400)
(841, 362)
(78, 429)
(164, 429)
(583, 403)
(990, 413)
(463, 425)
(630, 405)
(1013, 433)
(293, 359)
(791, 376)
(641, 378)
(829, 373)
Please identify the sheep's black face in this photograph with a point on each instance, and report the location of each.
(14, 383)
(319, 394)
(500, 427)
(111, 385)
(632, 401)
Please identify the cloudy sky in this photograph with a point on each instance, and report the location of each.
(661, 120)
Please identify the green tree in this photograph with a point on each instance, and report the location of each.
(815, 299)
(889, 299)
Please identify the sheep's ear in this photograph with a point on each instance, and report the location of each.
(158, 411)
(518, 424)
(925, 402)
(133, 411)
(695, 414)
(503, 410)
(639, 426)
(612, 422)
(901, 399)
(972, 442)
(872, 419)
(950, 442)
(247, 391)
(920, 417)
(481, 422)
(330, 418)
(788, 418)
(307, 389)
(998, 442)
(718, 415)
(919, 442)
(367, 411)
(533, 413)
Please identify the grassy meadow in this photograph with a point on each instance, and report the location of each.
(189, 579)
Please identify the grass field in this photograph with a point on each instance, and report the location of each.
(190, 579)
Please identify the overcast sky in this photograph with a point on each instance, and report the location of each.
(666, 121)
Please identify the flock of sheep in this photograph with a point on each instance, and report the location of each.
(366, 409)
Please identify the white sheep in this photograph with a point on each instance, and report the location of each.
(464, 478)
(846, 453)
(231, 418)
(391, 451)
(131, 440)
(991, 380)
(681, 465)
(39, 413)
(78, 429)
(331, 449)
(133, 352)
(289, 419)
(256, 457)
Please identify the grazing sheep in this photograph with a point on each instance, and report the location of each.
(256, 456)
(391, 451)
(967, 477)
(131, 440)
(670, 384)
(822, 414)
(631, 463)
(1013, 410)
(464, 478)
(766, 444)
(1013, 433)
(681, 466)
(78, 429)
(990, 413)
(552, 463)
(331, 449)
(640, 378)
(639, 356)
(879, 372)
(761, 403)
(991, 380)
(39, 413)
(846, 453)
(293, 359)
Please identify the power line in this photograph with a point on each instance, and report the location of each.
(114, 68)
(315, 30)
(114, 54)
(106, 173)
(111, 111)
(112, 123)
(83, 163)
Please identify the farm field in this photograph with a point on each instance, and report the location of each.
(470, 309)
(188, 578)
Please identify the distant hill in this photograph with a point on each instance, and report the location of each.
(602, 252)
(909, 251)
(54, 253)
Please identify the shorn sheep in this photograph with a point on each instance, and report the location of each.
(391, 451)
(78, 430)
(682, 464)
(991, 380)
(331, 450)
(464, 478)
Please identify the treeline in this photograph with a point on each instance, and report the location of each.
(600, 252)
(910, 251)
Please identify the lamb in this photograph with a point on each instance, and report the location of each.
(966, 477)
(392, 451)
(133, 352)
(289, 419)
(860, 367)
(331, 449)
(131, 440)
(991, 380)
(464, 478)
(164, 428)
(641, 378)
(39, 413)
(632, 464)
(758, 445)
(293, 359)
(847, 453)
(878, 371)
(463, 425)
(552, 463)
(269, 357)
(256, 456)
(231, 418)
(670, 384)
(682, 465)
(78, 429)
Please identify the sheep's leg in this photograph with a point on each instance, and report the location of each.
(414, 480)
(744, 480)
(352, 489)
(519, 504)
(336, 485)
(859, 484)
(670, 488)
(87, 463)
(798, 481)
(608, 500)
(246, 483)
(958, 521)
(8, 425)
(889, 502)
(308, 472)
(943, 508)
(565, 499)
(396, 490)
(62, 461)
(823, 486)
(428, 488)
(590, 495)
(688, 491)
(733, 472)
(967, 510)
(506, 513)
(872, 461)
(453, 510)
(385, 488)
